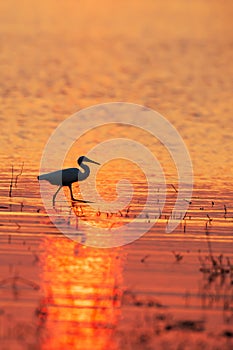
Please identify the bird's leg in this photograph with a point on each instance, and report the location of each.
(55, 195)
(71, 193)
(76, 200)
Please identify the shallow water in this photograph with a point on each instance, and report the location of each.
(58, 58)
(66, 294)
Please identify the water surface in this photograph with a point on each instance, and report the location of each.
(160, 291)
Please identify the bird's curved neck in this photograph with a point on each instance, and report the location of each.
(84, 174)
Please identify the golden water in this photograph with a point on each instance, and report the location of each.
(58, 57)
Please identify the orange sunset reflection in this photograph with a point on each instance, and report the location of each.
(83, 296)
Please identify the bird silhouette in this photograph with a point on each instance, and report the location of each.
(66, 177)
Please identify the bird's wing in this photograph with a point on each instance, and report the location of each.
(69, 176)
(63, 177)
(55, 177)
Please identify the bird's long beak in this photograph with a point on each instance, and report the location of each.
(91, 161)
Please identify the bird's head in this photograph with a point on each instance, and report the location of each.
(83, 159)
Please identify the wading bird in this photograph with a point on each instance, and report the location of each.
(66, 177)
